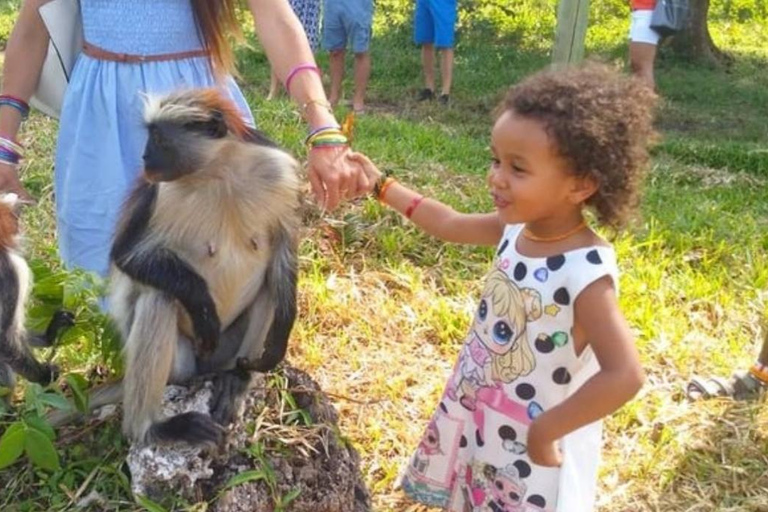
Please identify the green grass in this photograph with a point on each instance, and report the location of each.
(384, 308)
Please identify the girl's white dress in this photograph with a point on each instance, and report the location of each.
(517, 361)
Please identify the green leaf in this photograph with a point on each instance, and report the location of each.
(290, 496)
(38, 423)
(149, 504)
(73, 335)
(55, 400)
(12, 444)
(41, 451)
(78, 384)
(50, 287)
(244, 477)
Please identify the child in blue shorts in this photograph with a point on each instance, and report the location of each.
(434, 27)
(348, 22)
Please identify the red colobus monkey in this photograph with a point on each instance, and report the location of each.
(204, 265)
(15, 284)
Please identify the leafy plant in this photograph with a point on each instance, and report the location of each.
(31, 434)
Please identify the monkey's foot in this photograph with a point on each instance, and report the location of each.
(228, 390)
(194, 428)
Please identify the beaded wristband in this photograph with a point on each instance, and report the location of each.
(412, 207)
(301, 67)
(378, 187)
(17, 103)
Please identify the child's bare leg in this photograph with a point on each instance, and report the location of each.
(337, 75)
(446, 70)
(428, 65)
(362, 73)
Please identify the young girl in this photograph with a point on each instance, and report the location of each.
(549, 353)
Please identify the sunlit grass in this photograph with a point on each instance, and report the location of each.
(384, 308)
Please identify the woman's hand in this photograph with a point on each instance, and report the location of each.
(542, 449)
(9, 182)
(335, 176)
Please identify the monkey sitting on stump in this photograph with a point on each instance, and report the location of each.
(15, 284)
(203, 265)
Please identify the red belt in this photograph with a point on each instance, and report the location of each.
(102, 54)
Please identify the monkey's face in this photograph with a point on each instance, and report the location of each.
(177, 147)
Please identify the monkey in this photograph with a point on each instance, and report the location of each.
(15, 284)
(203, 265)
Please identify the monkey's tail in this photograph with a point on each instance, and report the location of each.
(150, 351)
(107, 394)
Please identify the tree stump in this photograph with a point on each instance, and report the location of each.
(283, 453)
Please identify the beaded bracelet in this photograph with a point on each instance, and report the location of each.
(307, 66)
(17, 103)
(383, 189)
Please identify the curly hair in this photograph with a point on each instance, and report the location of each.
(600, 122)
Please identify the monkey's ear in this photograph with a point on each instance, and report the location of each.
(217, 127)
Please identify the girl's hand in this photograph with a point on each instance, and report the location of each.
(371, 171)
(335, 176)
(9, 182)
(541, 448)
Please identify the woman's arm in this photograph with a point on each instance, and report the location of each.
(434, 217)
(24, 57)
(331, 174)
(619, 379)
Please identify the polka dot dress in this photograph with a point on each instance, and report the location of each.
(517, 361)
(308, 12)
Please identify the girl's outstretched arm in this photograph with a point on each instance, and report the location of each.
(433, 217)
(620, 377)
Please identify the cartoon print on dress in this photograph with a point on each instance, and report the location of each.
(428, 446)
(497, 350)
(494, 489)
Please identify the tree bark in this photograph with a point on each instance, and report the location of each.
(695, 42)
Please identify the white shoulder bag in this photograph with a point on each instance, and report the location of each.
(65, 29)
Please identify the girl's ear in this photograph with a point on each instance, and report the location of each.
(583, 188)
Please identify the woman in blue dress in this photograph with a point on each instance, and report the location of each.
(135, 47)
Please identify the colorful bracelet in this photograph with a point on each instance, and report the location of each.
(17, 103)
(383, 190)
(412, 207)
(307, 66)
(9, 157)
(11, 145)
(326, 136)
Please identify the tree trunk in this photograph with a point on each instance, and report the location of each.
(695, 43)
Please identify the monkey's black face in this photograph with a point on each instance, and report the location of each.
(178, 149)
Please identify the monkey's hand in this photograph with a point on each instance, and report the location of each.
(61, 320)
(207, 329)
(48, 373)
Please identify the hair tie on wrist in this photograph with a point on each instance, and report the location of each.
(307, 66)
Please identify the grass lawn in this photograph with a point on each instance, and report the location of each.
(384, 308)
